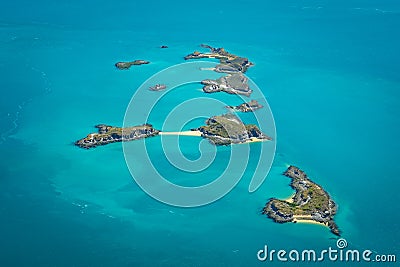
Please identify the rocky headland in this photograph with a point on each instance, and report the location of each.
(127, 65)
(247, 107)
(229, 63)
(109, 134)
(229, 129)
(309, 203)
(231, 84)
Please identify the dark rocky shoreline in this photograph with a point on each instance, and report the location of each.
(247, 107)
(231, 84)
(108, 134)
(310, 202)
(229, 129)
(229, 63)
(127, 65)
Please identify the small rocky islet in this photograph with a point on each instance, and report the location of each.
(309, 203)
(126, 65)
(251, 106)
(158, 87)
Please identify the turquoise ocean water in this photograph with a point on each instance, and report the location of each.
(329, 70)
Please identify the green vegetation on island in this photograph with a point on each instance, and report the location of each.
(109, 134)
(309, 203)
(229, 63)
(247, 107)
(231, 84)
(229, 129)
(127, 65)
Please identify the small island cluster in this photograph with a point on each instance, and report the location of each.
(310, 203)
(225, 129)
(229, 63)
(233, 83)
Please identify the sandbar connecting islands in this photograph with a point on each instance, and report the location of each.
(219, 130)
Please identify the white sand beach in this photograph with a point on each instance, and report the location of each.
(306, 219)
(186, 133)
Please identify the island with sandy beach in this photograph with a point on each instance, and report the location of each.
(310, 203)
(220, 130)
(109, 134)
(229, 129)
(229, 63)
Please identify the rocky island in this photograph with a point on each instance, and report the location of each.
(247, 107)
(310, 203)
(108, 134)
(229, 63)
(231, 84)
(127, 65)
(229, 129)
(158, 87)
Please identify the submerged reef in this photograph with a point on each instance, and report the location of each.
(247, 107)
(127, 65)
(229, 129)
(309, 203)
(229, 63)
(109, 134)
(231, 84)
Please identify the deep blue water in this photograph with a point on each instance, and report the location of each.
(329, 70)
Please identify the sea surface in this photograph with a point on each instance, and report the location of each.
(328, 69)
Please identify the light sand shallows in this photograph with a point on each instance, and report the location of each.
(186, 133)
(306, 219)
(290, 199)
(255, 140)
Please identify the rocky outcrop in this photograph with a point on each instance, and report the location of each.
(108, 134)
(310, 202)
(127, 65)
(158, 87)
(247, 107)
(229, 63)
(231, 84)
(274, 210)
(229, 129)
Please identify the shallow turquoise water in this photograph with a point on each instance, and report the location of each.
(329, 72)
